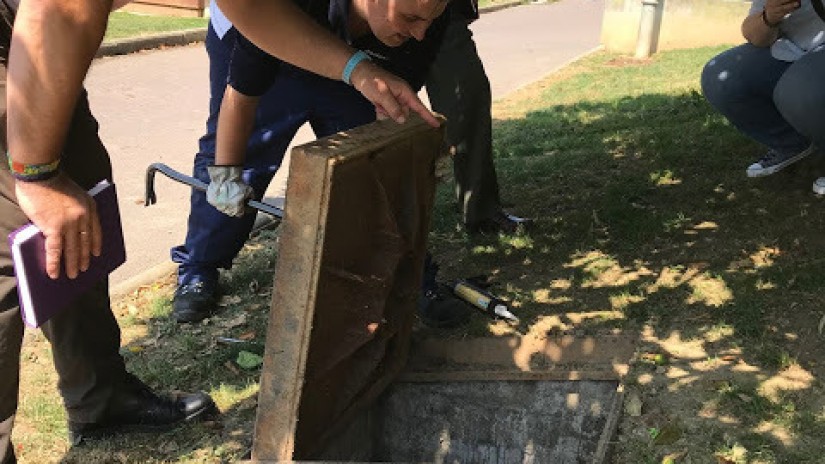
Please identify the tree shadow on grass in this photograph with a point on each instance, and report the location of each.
(647, 222)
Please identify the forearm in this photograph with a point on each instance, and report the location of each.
(284, 31)
(53, 44)
(235, 124)
(757, 33)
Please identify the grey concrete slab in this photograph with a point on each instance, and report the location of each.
(152, 107)
(494, 422)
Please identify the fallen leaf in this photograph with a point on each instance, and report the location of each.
(149, 342)
(658, 359)
(248, 361)
(232, 368)
(212, 424)
(633, 405)
(238, 320)
(228, 300)
(673, 458)
(737, 454)
(668, 434)
(249, 403)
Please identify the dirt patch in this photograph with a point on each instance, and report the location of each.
(626, 61)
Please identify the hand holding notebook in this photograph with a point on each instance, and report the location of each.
(67, 216)
(41, 296)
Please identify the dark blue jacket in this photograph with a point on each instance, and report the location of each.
(252, 70)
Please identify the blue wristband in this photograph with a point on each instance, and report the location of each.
(356, 58)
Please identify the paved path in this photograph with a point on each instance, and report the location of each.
(152, 107)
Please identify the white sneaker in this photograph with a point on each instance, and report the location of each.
(819, 186)
(773, 162)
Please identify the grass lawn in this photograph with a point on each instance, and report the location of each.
(646, 224)
(123, 24)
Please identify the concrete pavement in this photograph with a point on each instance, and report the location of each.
(152, 107)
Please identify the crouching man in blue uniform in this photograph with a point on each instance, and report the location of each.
(262, 101)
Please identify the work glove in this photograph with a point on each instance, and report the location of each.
(227, 191)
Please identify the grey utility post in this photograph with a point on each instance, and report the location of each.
(649, 25)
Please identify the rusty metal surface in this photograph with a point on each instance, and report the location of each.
(601, 356)
(346, 283)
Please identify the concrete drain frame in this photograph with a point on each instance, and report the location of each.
(554, 399)
(344, 381)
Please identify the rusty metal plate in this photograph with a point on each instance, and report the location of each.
(348, 275)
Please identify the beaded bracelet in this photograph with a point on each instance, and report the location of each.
(33, 172)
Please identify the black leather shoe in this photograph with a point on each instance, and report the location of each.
(136, 408)
(194, 302)
(441, 309)
(500, 222)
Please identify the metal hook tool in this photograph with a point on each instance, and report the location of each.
(151, 197)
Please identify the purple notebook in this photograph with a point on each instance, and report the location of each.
(40, 296)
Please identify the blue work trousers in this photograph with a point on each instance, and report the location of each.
(213, 239)
(777, 103)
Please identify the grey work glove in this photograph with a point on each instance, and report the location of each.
(227, 191)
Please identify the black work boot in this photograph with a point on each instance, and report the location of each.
(194, 302)
(438, 307)
(136, 408)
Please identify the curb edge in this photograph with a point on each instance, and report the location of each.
(151, 42)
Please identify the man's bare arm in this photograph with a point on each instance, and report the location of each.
(235, 125)
(52, 47)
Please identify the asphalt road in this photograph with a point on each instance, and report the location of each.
(152, 107)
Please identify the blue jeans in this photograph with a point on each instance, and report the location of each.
(779, 104)
(213, 239)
